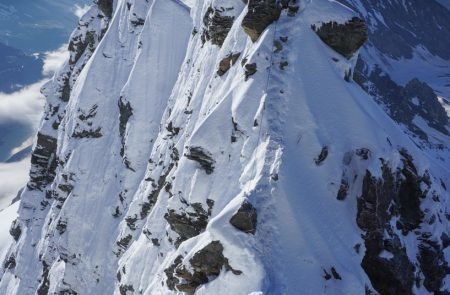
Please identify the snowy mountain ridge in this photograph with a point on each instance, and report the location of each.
(221, 147)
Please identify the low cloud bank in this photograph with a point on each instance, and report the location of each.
(20, 114)
(54, 60)
(26, 105)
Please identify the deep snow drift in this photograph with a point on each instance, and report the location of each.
(219, 147)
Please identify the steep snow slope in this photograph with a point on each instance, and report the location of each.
(218, 147)
(7, 216)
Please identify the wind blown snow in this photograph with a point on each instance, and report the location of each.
(79, 11)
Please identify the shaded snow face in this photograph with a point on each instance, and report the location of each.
(231, 167)
(388, 68)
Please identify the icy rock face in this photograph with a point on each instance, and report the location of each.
(43, 161)
(217, 24)
(164, 176)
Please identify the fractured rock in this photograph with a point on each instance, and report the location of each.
(43, 161)
(216, 26)
(346, 38)
(261, 13)
(187, 225)
(206, 264)
(395, 194)
(202, 157)
(226, 63)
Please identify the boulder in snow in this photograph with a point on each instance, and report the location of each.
(346, 38)
(245, 218)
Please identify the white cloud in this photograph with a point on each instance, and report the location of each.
(54, 60)
(13, 176)
(81, 10)
(25, 105)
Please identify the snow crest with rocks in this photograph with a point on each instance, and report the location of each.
(222, 147)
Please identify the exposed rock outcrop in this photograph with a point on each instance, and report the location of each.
(250, 70)
(322, 156)
(125, 113)
(201, 156)
(205, 265)
(346, 38)
(43, 161)
(245, 218)
(226, 63)
(187, 224)
(261, 13)
(45, 283)
(216, 25)
(15, 230)
(79, 44)
(396, 196)
(388, 276)
(10, 262)
(433, 265)
(172, 280)
(89, 133)
(106, 6)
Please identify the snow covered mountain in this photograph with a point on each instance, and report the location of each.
(222, 147)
